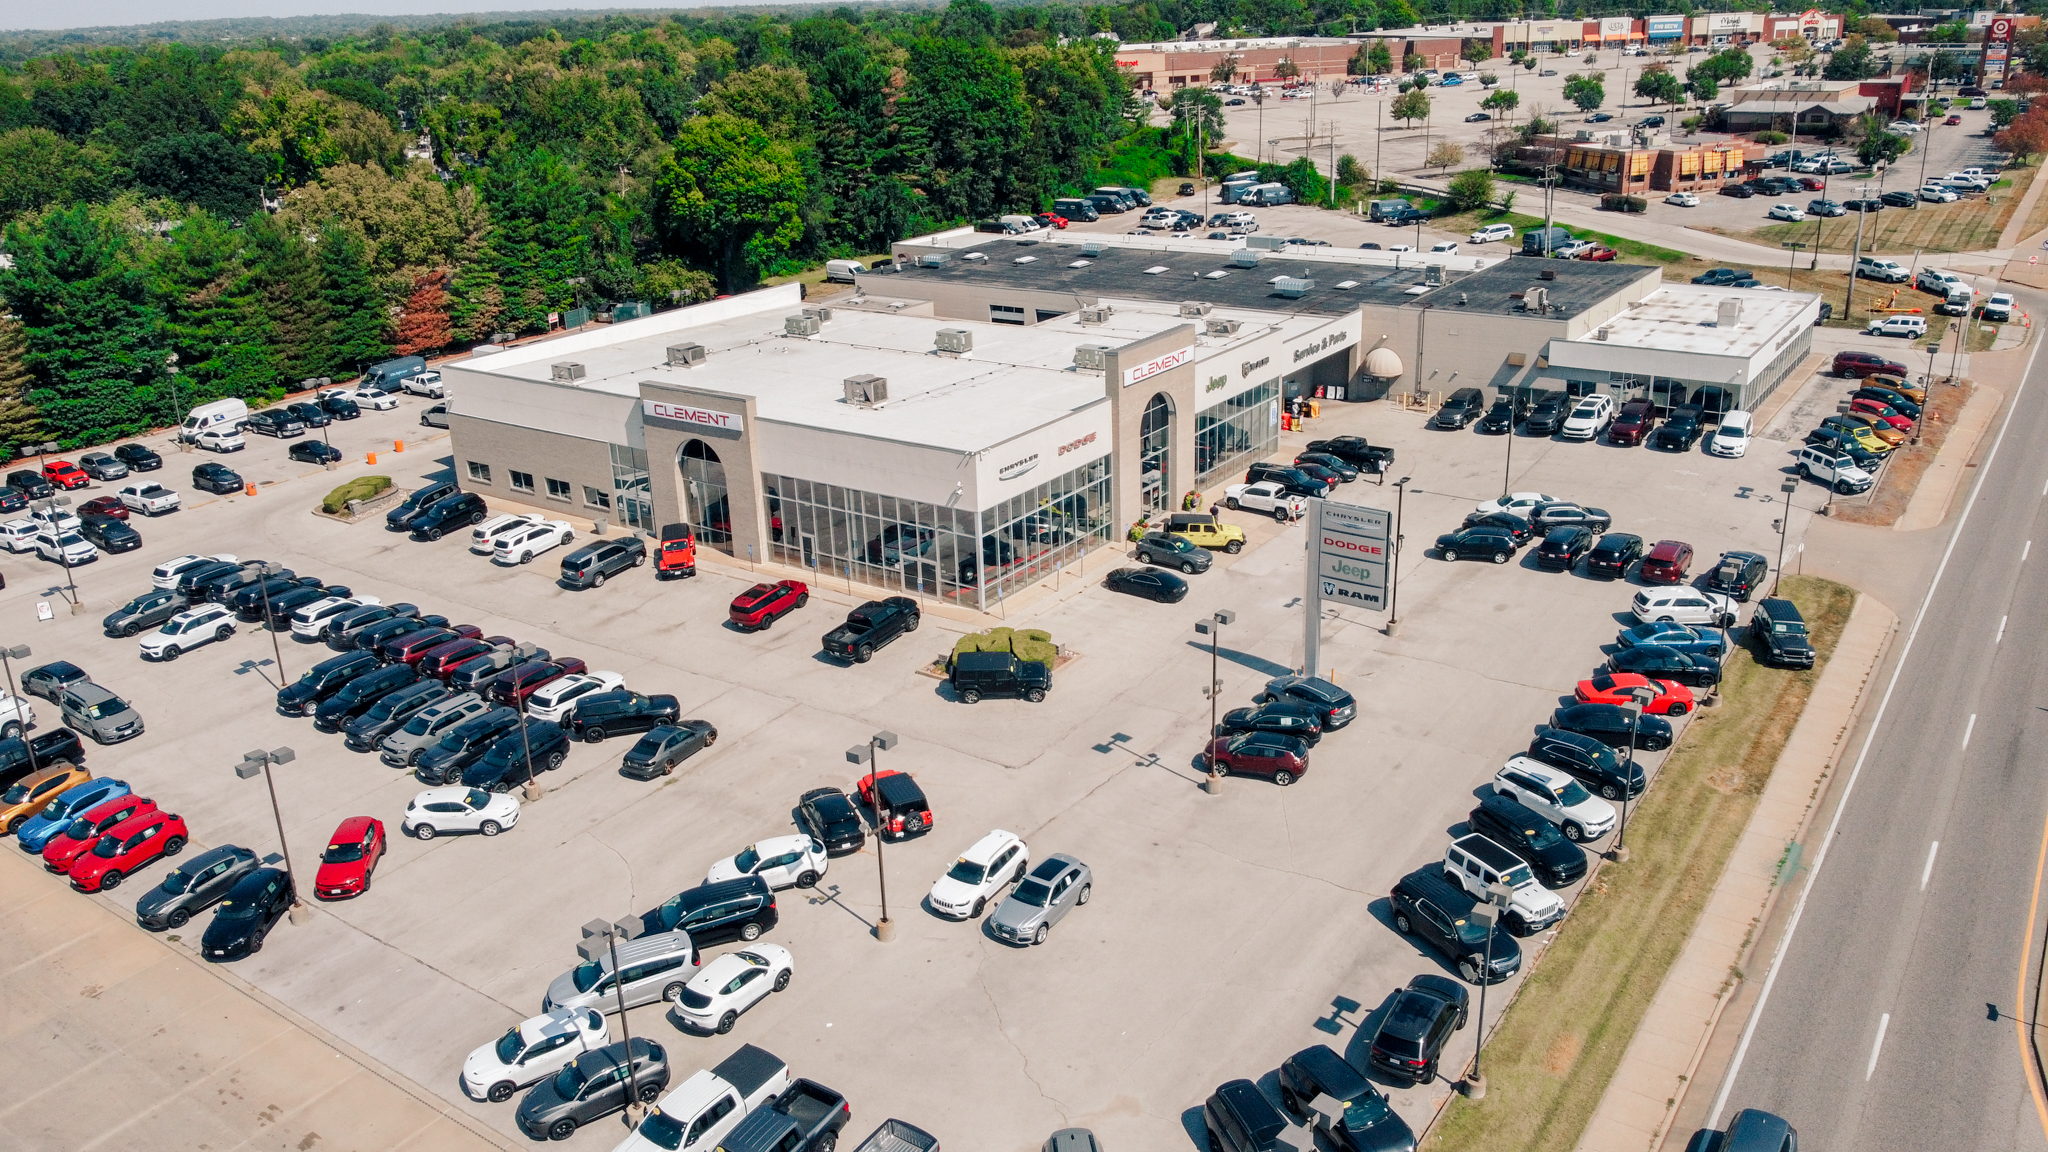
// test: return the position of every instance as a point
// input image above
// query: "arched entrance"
(705, 504)
(1155, 442)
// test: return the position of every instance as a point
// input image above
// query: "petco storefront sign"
(685, 414)
(1158, 364)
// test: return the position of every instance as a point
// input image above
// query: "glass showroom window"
(1035, 533)
(905, 547)
(630, 487)
(1231, 434)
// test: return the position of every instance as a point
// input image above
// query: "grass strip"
(1556, 1049)
(1636, 250)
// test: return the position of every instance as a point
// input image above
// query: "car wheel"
(803, 599)
(501, 1092)
(668, 767)
(15, 824)
(1450, 554)
(1034, 695)
(650, 1092)
(562, 1129)
(828, 1142)
(130, 629)
(110, 881)
(765, 622)
(1574, 833)
(1038, 937)
(433, 533)
(171, 653)
(256, 945)
(526, 557)
(1087, 890)
(1401, 924)
(1234, 547)
(1609, 792)
(807, 880)
(1664, 620)
(172, 847)
(425, 832)
(555, 760)
(1805, 473)
(1280, 514)
(488, 828)
(751, 930)
(593, 735)
(782, 980)
(178, 919)
(1678, 708)
(1187, 567)
(710, 739)
(969, 696)
(979, 904)
(1283, 778)
(864, 654)
(598, 582)
(475, 518)
(1231, 503)
(1500, 557)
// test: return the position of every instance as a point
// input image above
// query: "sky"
(21, 14)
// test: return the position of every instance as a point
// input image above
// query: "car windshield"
(508, 1047)
(1571, 795)
(105, 708)
(107, 847)
(967, 872)
(1517, 876)
(342, 854)
(1543, 835)
(568, 1082)
(417, 726)
(1031, 892)
(176, 627)
(14, 795)
(237, 910)
(177, 881)
(1789, 627)
(662, 1130)
(747, 860)
(586, 975)
(477, 799)
(1361, 1114)
(79, 829)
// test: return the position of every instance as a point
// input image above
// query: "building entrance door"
(705, 503)
(1155, 441)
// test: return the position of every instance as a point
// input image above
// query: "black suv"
(590, 565)
(1556, 861)
(1369, 1124)
(1460, 409)
(1344, 470)
(1333, 706)
(390, 713)
(1562, 547)
(1663, 663)
(1548, 415)
(110, 535)
(400, 519)
(503, 767)
(464, 745)
(831, 819)
(1417, 1027)
(1503, 416)
(323, 680)
(291, 600)
(1609, 724)
(310, 414)
(1289, 478)
(218, 479)
(1286, 718)
(1739, 574)
(276, 422)
(603, 714)
(462, 510)
(138, 458)
(1614, 553)
(739, 909)
(356, 696)
(249, 600)
(342, 629)
(1589, 760)
(1431, 908)
(1680, 431)
(978, 674)
(31, 484)
(1239, 1119)
(1354, 450)
(870, 626)
(1779, 627)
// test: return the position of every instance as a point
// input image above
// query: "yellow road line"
(2019, 1013)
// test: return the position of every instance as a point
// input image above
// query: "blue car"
(44, 826)
(1691, 641)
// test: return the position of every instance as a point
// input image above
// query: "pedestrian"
(1214, 510)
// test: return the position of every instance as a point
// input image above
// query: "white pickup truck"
(426, 383)
(707, 1106)
(1268, 497)
(148, 497)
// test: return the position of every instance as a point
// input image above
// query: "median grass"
(1968, 225)
(1556, 1049)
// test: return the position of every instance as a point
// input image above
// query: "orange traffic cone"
(373, 458)
(398, 445)
(252, 488)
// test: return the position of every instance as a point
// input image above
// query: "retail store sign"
(1615, 26)
(1157, 364)
(1664, 27)
(689, 414)
(1727, 21)
(1333, 340)
(1350, 544)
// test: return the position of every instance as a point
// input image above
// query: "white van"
(1445, 247)
(1019, 225)
(842, 271)
(1911, 327)
(228, 415)
(1492, 232)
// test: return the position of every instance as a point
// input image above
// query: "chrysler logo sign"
(1017, 468)
(1157, 364)
(687, 414)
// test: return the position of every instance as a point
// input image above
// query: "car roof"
(353, 828)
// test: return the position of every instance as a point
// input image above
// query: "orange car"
(32, 793)
(1878, 425)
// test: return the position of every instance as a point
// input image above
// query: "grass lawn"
(1968, 225)
(1557, 1047)
(1633, 251)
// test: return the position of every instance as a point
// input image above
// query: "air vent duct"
(1094, 248)
(566, 373)
(1096, 314)
(866, 390)
(1293, 287)
(1094, 356)
(684, 355)
(1245, 258)
(932, 260)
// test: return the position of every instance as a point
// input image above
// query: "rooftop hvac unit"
(932, 260)
(1433, 275)
(955, 340)
(1192, 309)
(1096, 314)
(1293, 287)
(1218, 326)
(1270, 243)
(866, 390)
(1547, 274)
(799, 325)
(1536, 299)
(1730, 314)
(823, 313)
(1094, 356)
(1600, 334)
(1245, 258)
(1094, 248)
(566, 372)
(684, 355)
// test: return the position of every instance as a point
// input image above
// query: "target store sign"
(1158, 364)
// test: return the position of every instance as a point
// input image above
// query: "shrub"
(361, 488)
(1770, 137)
(1026, 643)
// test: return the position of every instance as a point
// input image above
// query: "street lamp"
(1796, 247)
(530, 790)
(268, 569)
(1641, 698)
(598, 939)
(51, 504)
(885, 929)
(1485, 914)
(1394, 566)
(1790, 486)
(1213, 629)
(7, 655)
(260, 761)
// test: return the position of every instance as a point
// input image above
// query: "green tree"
(1728, 66)
(959, 125)
(214, 318)
(360, 331)
(1502, 102)
(1351, 173)
(2003, 112)
(1876, 29)
(539, 235)
(1286, 69)
(1587, 90)
(1853, 61)
(1226, 69)
(1878, 144)
(477, 299)
(283, 261)
(1659, 86)
(39, 168)
(1701, 84)
(1472, 188)
(1379, 58)
(731, 194)
(1197, 120)
(20, 423)
(1410, 106)
(1477, 51)
(203, 169)
(1446, 153)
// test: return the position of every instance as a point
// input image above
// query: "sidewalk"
(1665, 1051)
(1945, 476)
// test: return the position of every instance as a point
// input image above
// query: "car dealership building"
(979, 414)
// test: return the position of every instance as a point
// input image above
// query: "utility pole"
(1849, 299)
(598, 939)
(1795, 248)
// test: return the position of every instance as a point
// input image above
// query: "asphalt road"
(1873, 1033)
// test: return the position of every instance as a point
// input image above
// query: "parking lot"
(1225, 932)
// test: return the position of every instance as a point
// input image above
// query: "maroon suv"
(515, 686)
(1866, 364)
(1666, 563)
(1632, 423)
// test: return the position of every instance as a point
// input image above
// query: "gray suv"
(100, 714)
(402, 748)
(653, 965)
(588, 566)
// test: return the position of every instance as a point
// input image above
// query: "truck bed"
(809, 1104)
(897, 1136)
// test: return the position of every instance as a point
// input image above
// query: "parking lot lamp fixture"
(864, 754)
(520, 654)
(259, 762)
(268, 569)
(1394, 567)
(1641, 697)
(1790, 486)
(599, 938)
(1213, 629)
(51, 504)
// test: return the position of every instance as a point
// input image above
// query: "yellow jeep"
(1205, 530)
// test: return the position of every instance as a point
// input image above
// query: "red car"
(677, 555)
(1673, 698)
(1866, 364)
(1882, 411)
(1598, 252)
(1666, 563)
(413, 646)
(515, 686)
(352, 854)
(65, 474)
(1050, 220)
(1953, 120)
(109, 506)
(1632, 423)
(77, 839)
(1812, 183)
(1275, 755)
(764, 604)
(443, 658)
(126, 846)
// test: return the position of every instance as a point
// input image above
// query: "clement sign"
(1157, 364)
(687, 414)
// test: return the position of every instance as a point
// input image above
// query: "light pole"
(260, 761)
(1790, 486)
(885, 929)
(52, 505)
(1641, 697)
(1933, 350)
(598, 939)
(1394, 567)
(7, 655)
(1213, 629)
(1485, 913)
(529, 791)
(269, 569)
(1791, 259)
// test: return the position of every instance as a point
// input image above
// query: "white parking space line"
(1929, 869)
(1883, 1022)
(2001, 630)
(2024, 552)
(1969, 728)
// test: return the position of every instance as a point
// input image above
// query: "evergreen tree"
(423, 326)
(476, 300)
(289, 280)
(361, 322)
(20, 423)
(537, 238)
(214, 318)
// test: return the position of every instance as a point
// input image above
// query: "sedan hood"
(155, 904)
(1015, 919)
(482, 1068)
(562, 993)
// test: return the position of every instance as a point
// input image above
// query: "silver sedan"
(1057, 886)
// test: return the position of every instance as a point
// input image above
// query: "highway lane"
(1873, 1032)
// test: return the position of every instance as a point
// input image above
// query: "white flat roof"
(1683, 318)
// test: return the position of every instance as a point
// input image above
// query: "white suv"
(1590, 417)
(1998, 309)
(1911, 327)
(311, 621)
(1493, 232)
(780, 861)
(995, 861)
(1556, 797)
(1684, 605)
(1818, 462)
(1475, 864)
(1936, 281)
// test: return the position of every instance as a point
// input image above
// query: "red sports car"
(77, 839)
(352, 854)
(109, 506)
(1666, 563)
(1882, 411)
(1275, 755)
(65, 474)
(764, 604)
(1673, 698)
(129, 845)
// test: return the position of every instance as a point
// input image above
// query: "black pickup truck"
(1355, 451)
(19, 758)
(870, 626)
(807, 1117)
